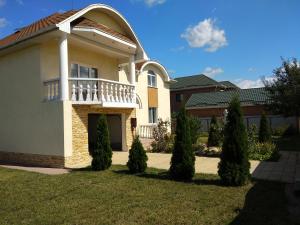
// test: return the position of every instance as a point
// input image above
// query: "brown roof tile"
(35, 27)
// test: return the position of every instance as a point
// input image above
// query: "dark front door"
(114, 127)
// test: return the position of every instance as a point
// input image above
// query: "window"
(179, 97)
(79, 71)
(152, 115)
(151, 79)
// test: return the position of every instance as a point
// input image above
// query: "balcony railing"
(146, 131)
(107, 93)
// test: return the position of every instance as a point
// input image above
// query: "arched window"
(151, 79)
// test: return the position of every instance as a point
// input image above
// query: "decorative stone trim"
(32, 159)
(80, 155)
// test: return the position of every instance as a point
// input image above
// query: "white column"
(132, 70)
(63, 67)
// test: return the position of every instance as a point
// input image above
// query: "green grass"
(116, 197)
(289, 143)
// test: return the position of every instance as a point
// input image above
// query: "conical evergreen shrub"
(102, 153)
(214, 137)
(264, 130)
(137, 162)
(234, 165)
(183, 156)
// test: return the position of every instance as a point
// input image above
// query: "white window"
(152, 115)
(79, 71)
(151, 79)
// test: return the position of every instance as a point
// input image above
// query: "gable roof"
(193, 82)
(252, 96)
(228, 84)
(35, 28)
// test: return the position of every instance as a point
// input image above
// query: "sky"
(240, 41)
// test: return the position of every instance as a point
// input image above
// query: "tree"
(102, 153)
(264, 130)
(183, 157)
(284, 89)
(214, 136)
(137, 162)
(234, 165)
(195, 127)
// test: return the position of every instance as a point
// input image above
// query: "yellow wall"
(163, 109)
(28, 125)
(104, 19)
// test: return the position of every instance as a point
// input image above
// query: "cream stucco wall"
(28, 124)
(163, 109)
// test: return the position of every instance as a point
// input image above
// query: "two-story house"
(59, 73)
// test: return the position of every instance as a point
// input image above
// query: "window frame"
(152, 76)
(180, 99)
(90, 68)
(152, 118)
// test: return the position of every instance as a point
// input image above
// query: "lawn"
(116, 197)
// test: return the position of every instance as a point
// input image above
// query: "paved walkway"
(43, 170)
(286, 170)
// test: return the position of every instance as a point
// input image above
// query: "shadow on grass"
(265, 204)
(164, 175)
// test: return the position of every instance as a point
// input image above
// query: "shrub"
(234, 165)
(280, 131)
(162, 139)
(251, 133)
(263, 151)
(214, 136)
(137, 162)
(195, 128)
(183, 156)
(102, 153)
(264, 130)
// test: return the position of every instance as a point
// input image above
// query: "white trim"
(65, 24)
(94, 30)
(161, 67)
(64, 67)
(124, 142)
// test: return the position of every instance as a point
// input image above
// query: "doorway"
(114, 123)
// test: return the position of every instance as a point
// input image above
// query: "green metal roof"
(253, 96)
(228, 84)
(193, 82)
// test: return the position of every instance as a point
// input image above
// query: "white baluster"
(107, 92)
(116, 92)
(73, 93)
(124, 94)
(95, 97)
(80, 92)
(120, 93)
(101, 92)
(88, 93)
(51, 90)
(112, 92)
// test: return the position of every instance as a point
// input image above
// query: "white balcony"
(94, 91)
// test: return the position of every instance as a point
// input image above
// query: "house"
(204, 97)
(60, 73)
(182, 90)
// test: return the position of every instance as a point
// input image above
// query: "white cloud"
(212, 72)
(20, 2)
(151, 3)
(3, 22)
(2, 2)
(245, 83)
(251, 69)
(205, 34)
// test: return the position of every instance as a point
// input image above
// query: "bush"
(137, 162)
(264, 130)
(280, 131)
(102, 153)
(195, 128)
(163, 141)
(234, 165)
(214, 136)
(263, 151)
(183, 156)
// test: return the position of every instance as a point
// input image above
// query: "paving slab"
(43, 170)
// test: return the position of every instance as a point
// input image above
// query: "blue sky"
(235, 40)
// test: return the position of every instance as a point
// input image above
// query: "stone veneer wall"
(32, 159)
(80, 155)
